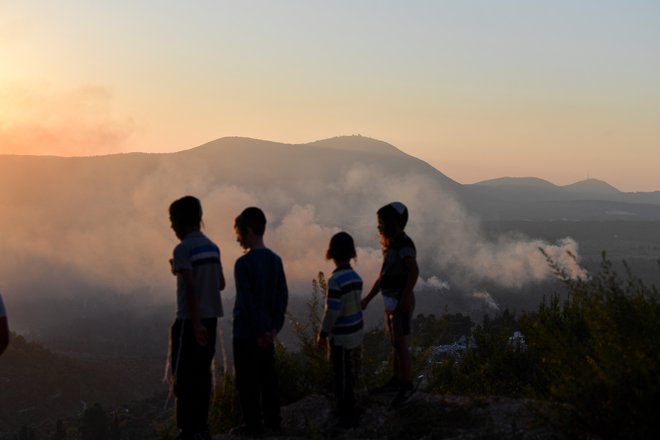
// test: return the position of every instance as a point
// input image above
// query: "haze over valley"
(94, 230)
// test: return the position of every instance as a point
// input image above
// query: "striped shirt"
(202, 257)
(342, 320)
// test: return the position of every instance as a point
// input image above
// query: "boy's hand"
(267, 338)
(321, 342)
(201, 334)
(172, 266)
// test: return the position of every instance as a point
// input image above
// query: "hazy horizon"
(559, 90)
(310, 143)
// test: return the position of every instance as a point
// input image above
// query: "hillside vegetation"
(37, 386)
(587, 366)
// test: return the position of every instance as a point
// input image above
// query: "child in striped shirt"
(342, 324)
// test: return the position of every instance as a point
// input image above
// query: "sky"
(562, 90)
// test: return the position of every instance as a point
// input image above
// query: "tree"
(94, 423)
(60, 432)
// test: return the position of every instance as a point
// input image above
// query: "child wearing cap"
(396, 281)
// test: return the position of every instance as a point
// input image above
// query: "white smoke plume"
(433, 283)
(124, 244)
(487, 300)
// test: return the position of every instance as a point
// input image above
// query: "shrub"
(596, 348)
(225, 411)
(599, 350)
(490, 365)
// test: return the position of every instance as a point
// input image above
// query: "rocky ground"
(430, 416)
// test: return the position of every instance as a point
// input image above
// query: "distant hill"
(529, 198)
(592, 187)
(357, 144)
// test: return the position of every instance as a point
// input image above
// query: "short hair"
(341, 248)
(186, 211)
(393, 215)
(253, 218)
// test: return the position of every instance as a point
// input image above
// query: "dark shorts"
(397, 323)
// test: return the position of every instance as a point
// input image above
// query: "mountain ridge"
(319, 164)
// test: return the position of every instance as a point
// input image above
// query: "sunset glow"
(558, 90)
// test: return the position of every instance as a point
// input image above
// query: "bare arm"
(373, 292)
(201, 335)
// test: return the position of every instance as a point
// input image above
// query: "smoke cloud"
(70, 239)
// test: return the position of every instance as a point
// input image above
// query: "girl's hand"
(364, 303)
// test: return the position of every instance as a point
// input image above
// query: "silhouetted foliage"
(490, 365)
(599, 350)
(60, 432)
(26, 433)
(430, 331)
(225, 411)
(94, 423)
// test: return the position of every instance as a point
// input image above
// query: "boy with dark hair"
(342, 323)
(261, 301)
(196, 264)
(396, 281)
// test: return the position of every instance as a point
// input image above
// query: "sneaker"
(403, 396)
(392, 386)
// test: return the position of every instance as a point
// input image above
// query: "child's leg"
(360, 386)
(191, 364)
(402, 359)
(344, 382)
(401, 330)
(269, 387)
(183, 342)
(203, 376)
(246, 365)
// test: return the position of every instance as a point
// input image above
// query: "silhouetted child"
(261, 301)
(4, 329)
(342, 324)
(396, 282)
(196, 264)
